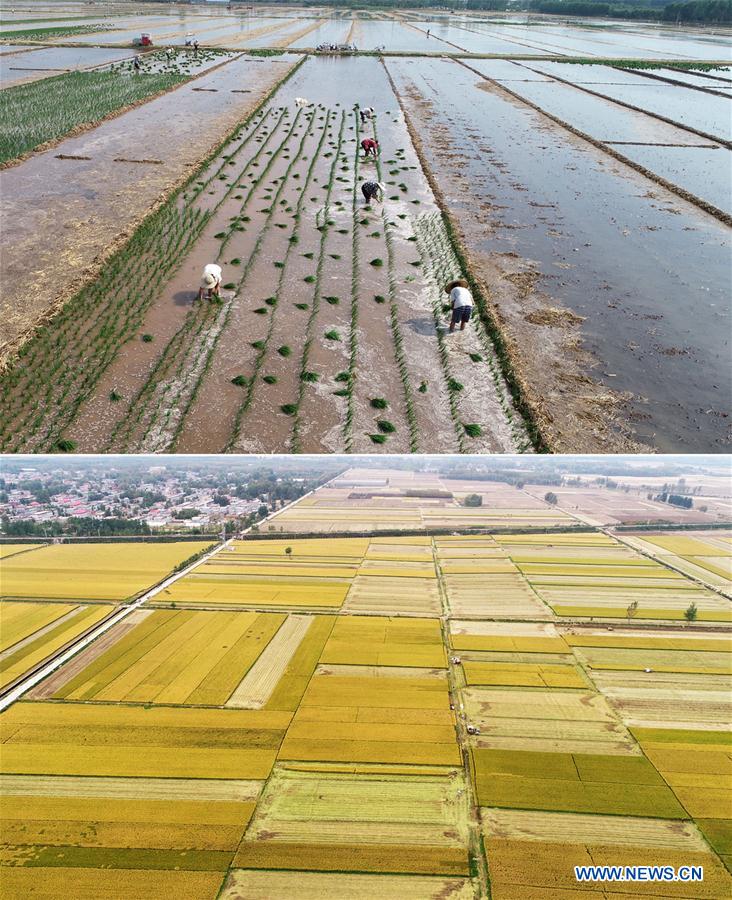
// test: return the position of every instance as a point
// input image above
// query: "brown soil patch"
(554, 317)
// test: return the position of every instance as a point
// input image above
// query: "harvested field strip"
(354, 298)
(51, 640)
(526, 825)
(292, 685)
(247, 884)
(569, 706)
(713, 663)
(509, 644)
(393, 595)
(257, 686)
(653, 613)
(32, 114)
(129, 788)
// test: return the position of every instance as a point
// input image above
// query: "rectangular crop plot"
(418, 823)
(31, 632)
(373, 719)
(173, 656)
(413, 596)
(574, 783)
(382, 641)
(500, 595)
(158, 742)
(93, 571)
(248, 591)
(251, 884)
(522, 674)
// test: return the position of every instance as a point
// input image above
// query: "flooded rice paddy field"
(591, 236)
(593, 204)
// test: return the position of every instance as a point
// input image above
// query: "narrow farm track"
(329, 333)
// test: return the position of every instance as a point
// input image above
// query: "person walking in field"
(195, 48)
(136, 63)
(369, 146)
(366, 113)
(373, 190)
(461, 301)
(210, 282)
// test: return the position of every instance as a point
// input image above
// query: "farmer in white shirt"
(210, 281)
(461, 301)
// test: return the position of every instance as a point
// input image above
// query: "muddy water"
(22, 67)
(335, 32)
(704, 112)
(648, 272)
(59, 216)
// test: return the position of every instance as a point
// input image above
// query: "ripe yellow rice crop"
(522, 674)
(284, 592)
(93, 571)
(19, 620)
(249, 884)
(684, 545)
(90, 884)
(7, 550)
(324, 548)
(20, 659)
(352, 857)
(291, 686)
(509, 644)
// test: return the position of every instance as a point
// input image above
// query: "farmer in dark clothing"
(373, 190)
(136, 64)
(369, 146)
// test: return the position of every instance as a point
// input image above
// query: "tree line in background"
(686, 12)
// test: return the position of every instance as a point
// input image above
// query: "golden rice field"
(106, 572)
(296, 724)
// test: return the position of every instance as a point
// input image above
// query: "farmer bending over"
(369, 146)
(210, 281)
(373, 190)
(367, 113)
(136, 63)
(461, 301)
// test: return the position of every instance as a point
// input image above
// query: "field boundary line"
(506, 356)
(81, 643)
(639, 109)
(714, 211)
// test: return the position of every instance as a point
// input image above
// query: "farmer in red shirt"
(369, 146)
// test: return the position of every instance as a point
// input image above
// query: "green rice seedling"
(374, 234)
(147, 338)
(284, 350)
(257, 345)
(64, 445)
(342, 231)
(416, 263)
(239, 380)
(310, 377)
(261, 310)
(422, 387)
(294, 239)
(378, 438)
(229, 286)
(220, 234)
(379, 403)
(379, 298)
(114, 396)
(309, 255)
(342, 392)
(309, 279)
(412, 238)
(377, 263)
(301, 306)
(278, 265)
(454, 385)
(269, 379)
(343, 376)
(236, 261)
(289, 409)
(473, 430)
(476, 357)
(271, 301)
(385, 426)
(332, 335)
(334, 255)
(334, 301)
